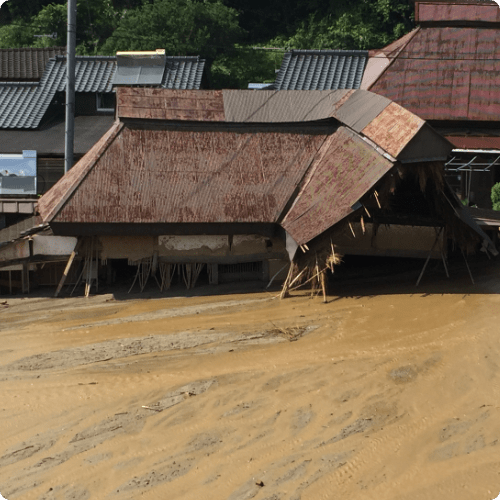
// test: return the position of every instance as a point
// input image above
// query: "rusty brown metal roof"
(229, 157)
(51, 202)
(446, 73)
(358, 109)
(158, 174)
(471, 142)
(27, 64)
(161, 104)
(393, 129)
(457, 12)
(347, 168)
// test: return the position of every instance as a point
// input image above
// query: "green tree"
(495, 196)
(96, 21)
(243, 64)
(362, 25)
(182, 27)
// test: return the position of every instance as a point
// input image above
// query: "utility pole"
(70, 87)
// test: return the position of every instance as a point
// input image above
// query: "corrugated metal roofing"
(271, 106)
(169, 171)
(358, 109)
(26, 64)
(446, 73)
(161, 104)
(347, 168)
(321, 70)
(140, 70)
(472, 11)
(24, 105)
(162, 174)
(471, 142)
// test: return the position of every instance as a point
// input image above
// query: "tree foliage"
(95, 22)
(362, 26)
(181, 27)
(495, 196)
(231, 34)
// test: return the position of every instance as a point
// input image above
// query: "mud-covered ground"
(386, 392)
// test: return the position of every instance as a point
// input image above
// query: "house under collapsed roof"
(233, 183)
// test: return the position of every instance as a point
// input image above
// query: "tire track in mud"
(120, 424)
(300, 447)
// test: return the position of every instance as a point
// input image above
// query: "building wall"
(214, 249)
(388, 240)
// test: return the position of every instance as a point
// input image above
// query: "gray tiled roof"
(92, 73)
(321, 70)
(26, 64)
(23, 105)
(183, 73)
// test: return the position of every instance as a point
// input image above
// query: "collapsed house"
(238, 184)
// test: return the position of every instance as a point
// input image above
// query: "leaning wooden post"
(323, 284)
(429, 256)
(66, 272)
(468, 268)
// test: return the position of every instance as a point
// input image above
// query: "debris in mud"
(292, 333)
(175, 397)
(403, 374)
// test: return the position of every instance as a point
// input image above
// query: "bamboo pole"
(66, 272)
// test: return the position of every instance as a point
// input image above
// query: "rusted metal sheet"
(177, 176)
(360, 109)
(479, 11)
(468, 142)
(167, 104)
(447, 73)
(274, 106)
(54, 199)
(393, 129)
(380, 59)
(346, 168)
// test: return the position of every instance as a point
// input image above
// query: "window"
(105, 102)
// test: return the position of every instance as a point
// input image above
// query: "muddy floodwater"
(387, 392)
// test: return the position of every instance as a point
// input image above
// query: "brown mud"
(388, 392)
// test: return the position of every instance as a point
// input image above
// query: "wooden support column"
(213, 274)
(25, 278)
